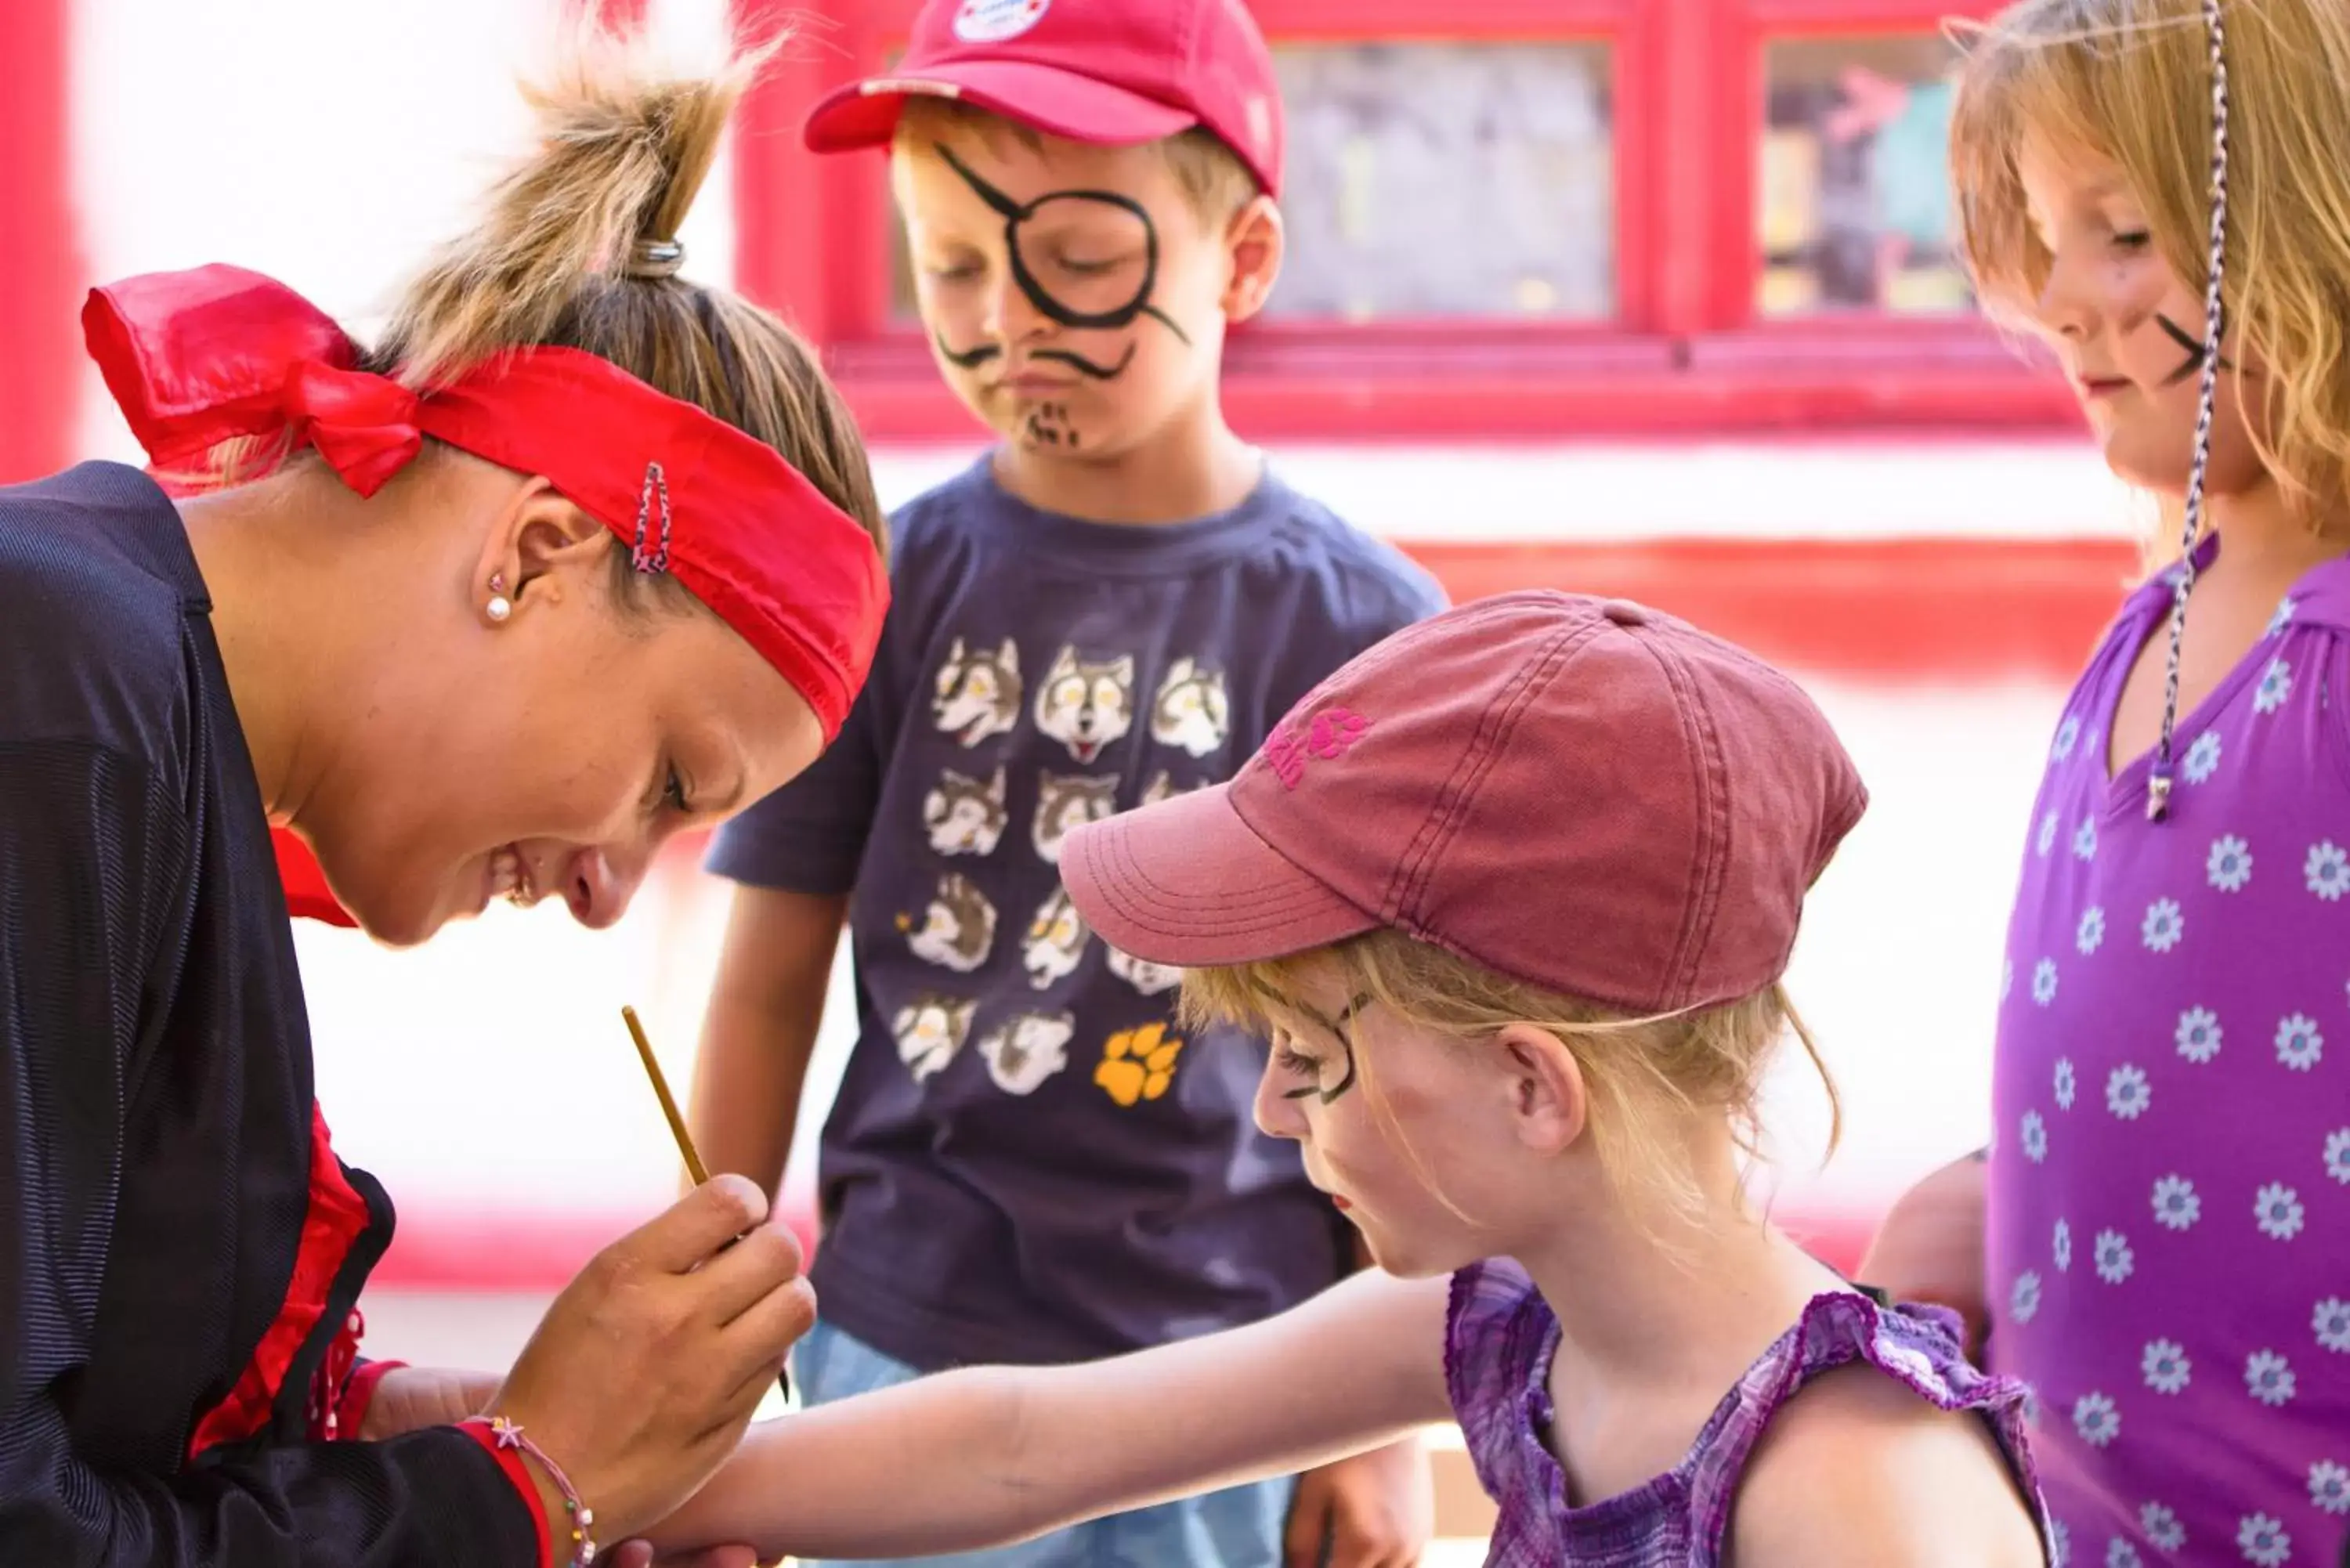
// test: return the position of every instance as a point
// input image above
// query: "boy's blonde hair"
(1211, 174)
(1643, 1073)
(2130, 80)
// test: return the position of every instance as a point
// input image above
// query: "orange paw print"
(1138, 1063)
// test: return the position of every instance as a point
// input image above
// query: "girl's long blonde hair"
(1644, 1075)
(2130, 80)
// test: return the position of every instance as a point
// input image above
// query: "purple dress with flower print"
(2170, 1188)
(1501, 1338)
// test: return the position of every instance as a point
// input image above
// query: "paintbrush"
(693, 1166)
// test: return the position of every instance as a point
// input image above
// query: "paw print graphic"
(1138, 1064)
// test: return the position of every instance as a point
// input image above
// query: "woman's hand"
(645, 1371)
(410, 1398)
(1373, 1511)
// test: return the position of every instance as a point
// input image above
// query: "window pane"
(1854, 195)
(1429, 179)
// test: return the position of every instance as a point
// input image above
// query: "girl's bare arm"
(988, 1456)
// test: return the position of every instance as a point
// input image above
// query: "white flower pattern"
(2046, 840)
(2229, 864)
(2023, 1301)
(2298, 1043)
(2035, 1138)
(2329, 1487)
(2283, 617)
(2164, 924)
(2120, 1554)
(2096, 1419)
(2268, 1377)
(2327, 871)
(2278, 1208)
(2331, 1322)
(2091, 932)
(2127, 1092)
(2263, 1539)
(2276, 686)
(2043, 981)
(2068, 734)
(2084, 839)
(2337, 1154)
(2060, 1247)
(2177, 1205)
(2202, 758)
(2199, 1035)
(2165, 1365)
(2162, 1527)
(2114, 1259)
(2063, 1086)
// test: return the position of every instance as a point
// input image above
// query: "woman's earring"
(500, 606)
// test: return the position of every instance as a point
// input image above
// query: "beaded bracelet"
(509, 1435)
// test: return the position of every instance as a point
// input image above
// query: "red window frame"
(1683, 354)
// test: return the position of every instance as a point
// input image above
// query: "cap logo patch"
(993, 21)
(1328, 735)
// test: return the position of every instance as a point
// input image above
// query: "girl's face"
(2128, 331)
(1446, 1162)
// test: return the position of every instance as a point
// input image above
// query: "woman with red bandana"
(580, 555)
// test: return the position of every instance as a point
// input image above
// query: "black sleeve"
(809, 836)
(85, 839)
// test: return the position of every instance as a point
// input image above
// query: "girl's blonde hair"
(572, 250)
(2130, 80)
(1645, 1075)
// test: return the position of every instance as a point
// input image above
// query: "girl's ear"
(1550, 1103)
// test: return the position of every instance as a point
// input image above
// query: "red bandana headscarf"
(196, 358)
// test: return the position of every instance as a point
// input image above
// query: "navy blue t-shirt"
(1028, 1161)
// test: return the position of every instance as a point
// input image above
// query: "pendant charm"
(2157, 798)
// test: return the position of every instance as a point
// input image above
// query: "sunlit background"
(1653, 297)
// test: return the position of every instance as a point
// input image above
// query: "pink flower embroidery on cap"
(1329, 735)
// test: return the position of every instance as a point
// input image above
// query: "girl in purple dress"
(1512, 894)
(2157, 1241)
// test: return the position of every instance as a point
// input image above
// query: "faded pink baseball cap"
(1581, 794)
(1110, 72)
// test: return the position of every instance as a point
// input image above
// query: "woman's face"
(2128, 331)
(550, 754)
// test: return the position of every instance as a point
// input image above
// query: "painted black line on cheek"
(1085, 367)
(1167, 321)
(2192, 349)
(1005, 207)
(964, 360)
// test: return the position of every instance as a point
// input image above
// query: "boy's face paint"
(1072, 293)
(2128, 330)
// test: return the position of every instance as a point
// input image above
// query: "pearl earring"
(500, 606)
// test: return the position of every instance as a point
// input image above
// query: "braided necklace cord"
(2158, 783)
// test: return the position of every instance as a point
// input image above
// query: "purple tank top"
(1500, 1336)
(2169, 1187)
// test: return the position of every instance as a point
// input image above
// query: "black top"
(156, 1118)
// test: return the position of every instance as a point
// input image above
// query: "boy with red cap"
(1029, 1160)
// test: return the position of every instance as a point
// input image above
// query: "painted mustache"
(972, 358)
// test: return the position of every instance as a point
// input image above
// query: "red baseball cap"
(1581, 794)
(1110, 72)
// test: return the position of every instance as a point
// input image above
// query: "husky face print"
(1162, 786)
(1192, 712)
(1026, 1049)
(1056, 940)
(1066, 801)
(978, 691)
(964, 816)
(958, 928)
(929, 1030)
(1086, 703)
(1149, 979)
